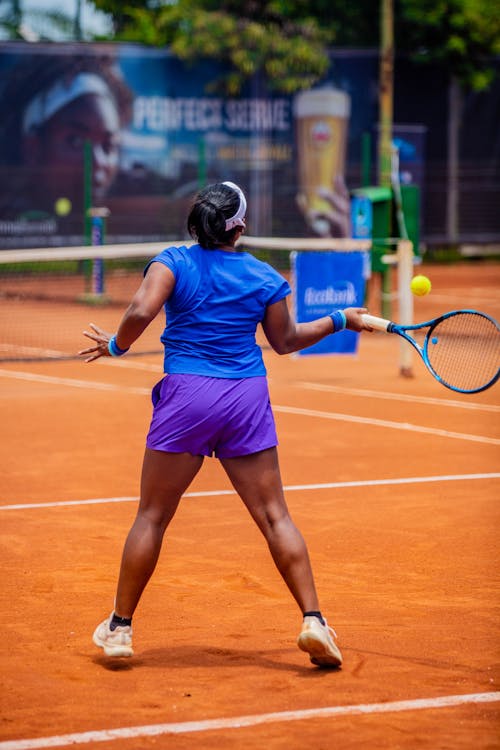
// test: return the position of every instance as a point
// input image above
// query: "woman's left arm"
(286, 336)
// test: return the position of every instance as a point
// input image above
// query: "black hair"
(37, 73)
(207, 219)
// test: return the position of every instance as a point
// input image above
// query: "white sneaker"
(317, 640)
(117, 642)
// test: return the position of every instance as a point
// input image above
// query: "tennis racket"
(461, 349)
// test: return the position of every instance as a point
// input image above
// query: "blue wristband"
(114, 349)
(339, 320)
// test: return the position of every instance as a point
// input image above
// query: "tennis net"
(48, 295)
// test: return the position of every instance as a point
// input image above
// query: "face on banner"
(58, 146)
(61, 122)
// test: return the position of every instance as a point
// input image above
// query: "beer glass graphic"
(322, 121)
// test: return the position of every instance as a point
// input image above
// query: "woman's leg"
(257, 480)
(165, 477)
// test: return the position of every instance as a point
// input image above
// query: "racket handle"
(379, 324)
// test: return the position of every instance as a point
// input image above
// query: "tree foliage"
(289, 39)
(462, 36)
(249, 36)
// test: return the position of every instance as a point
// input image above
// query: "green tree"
(122, 13)
(462, 36)
(10, 20)
(289, 39)
(285, 40)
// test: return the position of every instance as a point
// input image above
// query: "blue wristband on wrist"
(339, 320)
(114, 349)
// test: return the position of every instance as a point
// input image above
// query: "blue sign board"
(327, 281)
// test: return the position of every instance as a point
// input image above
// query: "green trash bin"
(374, 217)
(410, 198)
(383, 221)
(380, 200)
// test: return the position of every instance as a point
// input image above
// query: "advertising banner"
(327, 281)
(137, 131)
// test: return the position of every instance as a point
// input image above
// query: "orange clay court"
(394, 483)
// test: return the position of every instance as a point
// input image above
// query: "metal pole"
(202, 163)
(405, 273)
(386, 86)
(77, 26)
(452, 192)
(366, 159)
(87, 191)
(98, 217)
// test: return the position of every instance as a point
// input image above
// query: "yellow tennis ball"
(62, 206)
(420, 286)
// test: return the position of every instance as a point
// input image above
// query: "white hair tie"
(238, 220)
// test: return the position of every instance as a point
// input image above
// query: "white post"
(405, 274)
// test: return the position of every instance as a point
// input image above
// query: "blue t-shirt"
(218, 300)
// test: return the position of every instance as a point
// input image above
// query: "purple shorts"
(205, 416)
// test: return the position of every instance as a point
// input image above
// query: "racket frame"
(388, 326)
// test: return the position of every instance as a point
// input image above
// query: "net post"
(405, 273)
(97, 295)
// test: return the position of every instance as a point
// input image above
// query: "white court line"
(237, 722)
(398, 396)
(385, 423)
(73, 382)
(58, 355)
(135, 365)
(86, 384)
(287, 488)
(33, 351)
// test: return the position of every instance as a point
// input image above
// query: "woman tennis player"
(214, 400)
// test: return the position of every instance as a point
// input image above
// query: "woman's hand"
(354, 318)
(101, 338)
(155, 289)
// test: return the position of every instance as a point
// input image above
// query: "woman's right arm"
(156, 288)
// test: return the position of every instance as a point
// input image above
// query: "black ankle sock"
(315, 614)
(117, 621)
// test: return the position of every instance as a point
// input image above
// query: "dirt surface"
(393, 482)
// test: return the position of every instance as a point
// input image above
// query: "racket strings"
(464, 351)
